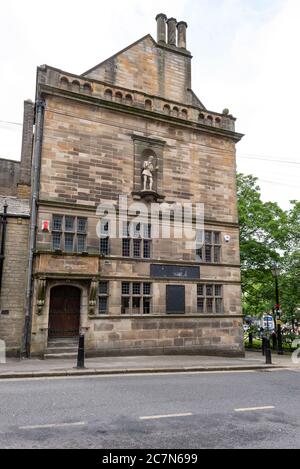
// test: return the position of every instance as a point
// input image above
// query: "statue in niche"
(147, 173)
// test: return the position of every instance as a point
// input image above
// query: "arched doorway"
(64, 312)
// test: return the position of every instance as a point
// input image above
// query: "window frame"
(209, 300)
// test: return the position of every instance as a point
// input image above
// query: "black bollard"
(250, 340)
(268, 352)
(80, 356)
(263, 345)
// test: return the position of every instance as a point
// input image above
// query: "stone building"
(15, 189)
(13, 270)
(133, 127)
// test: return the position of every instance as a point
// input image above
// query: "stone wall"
(9, 177)
(14, 284)
(150, 68)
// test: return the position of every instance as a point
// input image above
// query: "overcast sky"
(246, 58)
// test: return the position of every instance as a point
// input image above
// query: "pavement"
(240, 409)
(28, 368)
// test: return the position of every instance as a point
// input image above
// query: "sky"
(245, 58)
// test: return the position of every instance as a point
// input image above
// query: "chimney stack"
(182, 27)
(161, 27)
(172, 22)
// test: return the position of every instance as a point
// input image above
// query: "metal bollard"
(263, 346)
(268, 352)
(80, 356)
(250, 340)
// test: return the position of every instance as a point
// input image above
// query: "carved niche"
(148, 168)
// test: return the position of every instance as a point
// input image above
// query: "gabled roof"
(148, 36)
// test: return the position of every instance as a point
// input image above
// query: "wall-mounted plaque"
(187, 272)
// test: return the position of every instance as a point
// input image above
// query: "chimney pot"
(161, 27)
(172, 22)
(182, 27)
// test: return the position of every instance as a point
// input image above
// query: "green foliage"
(268, 235)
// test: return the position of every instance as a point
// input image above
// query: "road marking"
(167, 416)
(252, 409)
(52, 425)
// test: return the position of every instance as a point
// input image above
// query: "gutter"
(2, 245)
(36, 165)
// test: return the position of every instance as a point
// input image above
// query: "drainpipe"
(39, 118)
(2, 247)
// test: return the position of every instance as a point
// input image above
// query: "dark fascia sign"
(183, 272)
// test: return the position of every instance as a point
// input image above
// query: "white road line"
(252, 409)
(52, 425)
(167, 416)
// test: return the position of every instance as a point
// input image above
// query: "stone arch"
(128, 99)
(118, 97)
(108, 94)
(148, 104)
(76, 85)
(87, 88)
(64, 82)
(166, 109)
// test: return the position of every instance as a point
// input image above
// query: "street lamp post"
(275, 272)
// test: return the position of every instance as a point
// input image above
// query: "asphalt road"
(173, 411)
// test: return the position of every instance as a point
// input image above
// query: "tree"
(268, 235)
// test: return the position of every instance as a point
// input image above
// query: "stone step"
(62, 349)
(63, 343)
(72, 355)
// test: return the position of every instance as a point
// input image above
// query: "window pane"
(103, 288)
(217, 254)
(56, 239)
(136, 248)
(69, 223)
(199, 254)
(209, 305)
(147, 231)
(125, 306)
(218, 290)
(136, 288)
(69, 241)
(200, 290)
(200, 305)
(102, 304)
(219, 306)
(207, 253)
(125, 288)
(104, 246)
(125, 229)
(104, 228)
(209, 290)
(146, 305)
(217, 238)
(147, 288)
(81, 225)
(126, 247)
(147, 249)
(57, 222)
(208, 237)
(136, 305)
(80, 243)
(137, 230)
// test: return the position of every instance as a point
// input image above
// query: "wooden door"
(64, 314)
